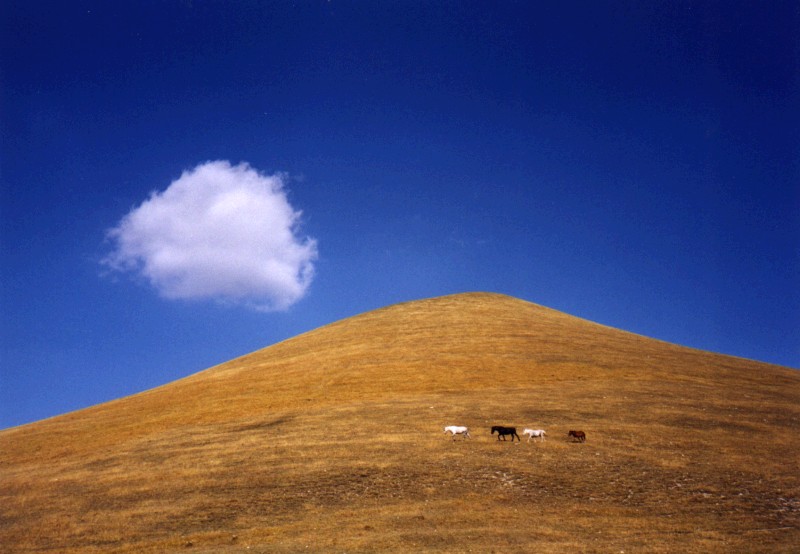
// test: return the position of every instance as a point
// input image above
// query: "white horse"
(534, 433)
(457, 430)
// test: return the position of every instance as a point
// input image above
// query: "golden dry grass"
(332, 442)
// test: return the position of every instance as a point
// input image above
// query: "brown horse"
(579, 435)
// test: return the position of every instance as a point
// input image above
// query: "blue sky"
(636, 165)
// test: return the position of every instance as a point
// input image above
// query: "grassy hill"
(333, 442)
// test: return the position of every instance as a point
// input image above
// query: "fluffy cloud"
(219, 231)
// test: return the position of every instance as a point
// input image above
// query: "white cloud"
(219, 231)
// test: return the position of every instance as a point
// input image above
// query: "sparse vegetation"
(333, 442)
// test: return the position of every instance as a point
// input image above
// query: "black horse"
(503, 431)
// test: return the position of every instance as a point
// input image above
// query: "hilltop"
(332, 441)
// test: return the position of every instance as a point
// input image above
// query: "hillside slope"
(333, 441)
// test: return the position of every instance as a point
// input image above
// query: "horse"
(457, 430)
(534, 433)
(503, 431)
(579, 435)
